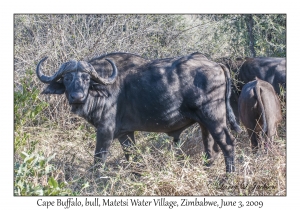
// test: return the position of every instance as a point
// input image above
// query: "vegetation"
(53, 148)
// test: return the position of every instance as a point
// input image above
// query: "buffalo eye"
(85, 78)
(67, 79)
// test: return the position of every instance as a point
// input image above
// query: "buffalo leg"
(269, 137)
(226, 143)
(175, 135)
(177, 140)
(104, 139)
(267, 143)
(126, 142)
(211, 147)
(234, 104)
(254, 143)
(212, 119)
(221, 135)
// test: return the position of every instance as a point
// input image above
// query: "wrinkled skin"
(166, 95)
(271, 70)
(260, 111)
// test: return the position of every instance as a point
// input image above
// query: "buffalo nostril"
(77, 96)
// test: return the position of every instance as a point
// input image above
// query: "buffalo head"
(77, 79)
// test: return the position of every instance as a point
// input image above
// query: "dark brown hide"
(259, 110)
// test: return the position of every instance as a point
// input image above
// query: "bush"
(27, 107)
(34, 176)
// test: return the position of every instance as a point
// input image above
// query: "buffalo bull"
(259, 110)
(166, 95)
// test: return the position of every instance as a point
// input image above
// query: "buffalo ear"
(99, 93)
(97, 90)
(54, 88)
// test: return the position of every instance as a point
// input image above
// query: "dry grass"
(161, 169)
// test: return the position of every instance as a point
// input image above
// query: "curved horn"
(56, 76)
(106, 81)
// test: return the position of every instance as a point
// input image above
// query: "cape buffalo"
(165, 95)
(269, 69)
(259, 110)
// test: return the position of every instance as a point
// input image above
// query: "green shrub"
(34, 176)
(27, 107)
(27, 104)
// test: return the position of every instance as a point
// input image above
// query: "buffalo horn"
(106, 81)
(56, 76)
(94, 75)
